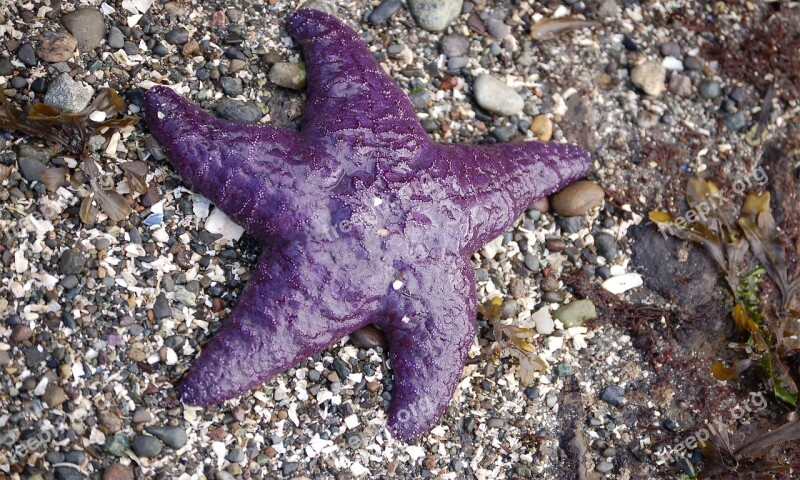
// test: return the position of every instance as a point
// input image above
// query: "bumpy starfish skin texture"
(363, 219)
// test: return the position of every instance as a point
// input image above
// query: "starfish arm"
(291, 309)
(526, 171)
(353, 108)
(429, 330)
(246, 170)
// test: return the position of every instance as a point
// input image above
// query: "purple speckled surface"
(363, 218)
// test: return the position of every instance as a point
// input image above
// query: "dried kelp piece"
(761, 231)
(722, 372)
(88, 211)
(788, 432)
(135, 174)
(550, 28)
(13, 119)
(112, 203)
(107, 101)
(72, 132)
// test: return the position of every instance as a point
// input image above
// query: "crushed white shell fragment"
(623, 283)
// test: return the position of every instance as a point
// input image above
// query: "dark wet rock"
(173, 437)
(613, 395)
(68, 473)
(161, 308)
(606, 245)
(115, 39)
(341, 368)
(147, 446)
(384, 11)
(71, 262)
(368, 337)
(710, 90)
(692, 64)
(27, 55)
(571, 224)
(177, 36)
(239, 111)
(31, 168)
(735, 121)
(231, 86)
(690, 283)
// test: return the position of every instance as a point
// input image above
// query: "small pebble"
(27, 55)
(231, 86)
(577, 198)
(118, 471)
(454, 45)
(542, 128)
(147, 446)
(575, 313)
(497, 97)
(710, 90)
(650, 77)
(288, 75)
(384, 11)
(613, 395)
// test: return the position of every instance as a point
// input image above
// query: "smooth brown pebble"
(368, 337)
(542, 128)
(577, 199)
(118, 471)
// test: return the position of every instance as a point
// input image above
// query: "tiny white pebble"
(161, 115)
(376, 202)
(97, 116)
(397, 284)
(405, 319)
(171, 358)
(351, 421)
(623, 283)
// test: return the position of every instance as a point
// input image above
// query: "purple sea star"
(363, 219)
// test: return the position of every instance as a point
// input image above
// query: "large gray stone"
(435, 15)
(497, 97)
(87, 25)
(67, 94)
